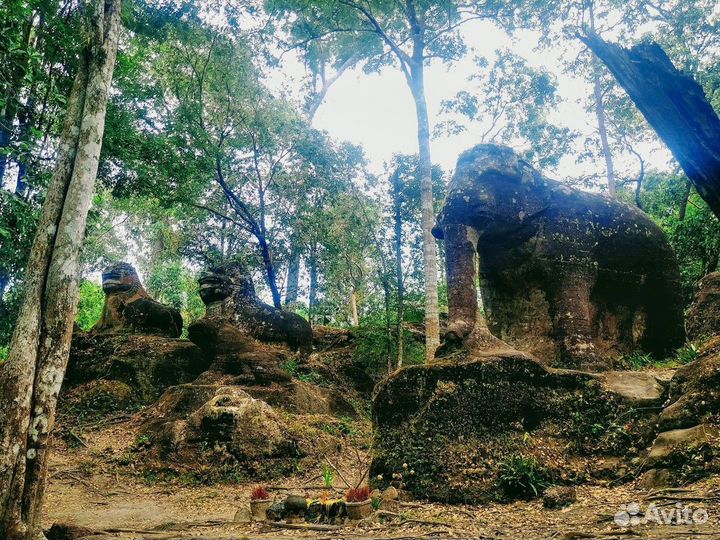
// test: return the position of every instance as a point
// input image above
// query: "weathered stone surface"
(671, 444)
(559, 496)
(148, 364)
(256, 368)
(229, 294)
(639, 388)
(225, 426)
(655, 478)
(448, 426)
(694, 391)
(574, 278)
(129, 309)
(703, 319)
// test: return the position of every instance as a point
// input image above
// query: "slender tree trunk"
(355, 318)
(293, 277)
(397, 206)
(30, 380)
(432, 321)
(684, 201)
(602, 129)
(388, 321)
(269, 270)
(312, 299)
(600, 113)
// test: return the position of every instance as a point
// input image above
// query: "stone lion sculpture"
(129, 309)
(575, 278)
(228, 293)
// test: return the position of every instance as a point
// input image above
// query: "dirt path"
(88, 488)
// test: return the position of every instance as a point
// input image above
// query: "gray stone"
(559, 496)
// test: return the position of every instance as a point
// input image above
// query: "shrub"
(522, 477)
(360, 494)
(686, 354)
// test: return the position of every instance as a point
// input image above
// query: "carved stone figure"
(229, 293)
(574, 278)
(129, 309)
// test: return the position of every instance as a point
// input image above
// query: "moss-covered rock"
(147, 364)
(448, 427)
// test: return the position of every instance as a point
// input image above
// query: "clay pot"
(359, 510)
(258, 509)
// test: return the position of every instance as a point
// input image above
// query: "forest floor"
(88, 488)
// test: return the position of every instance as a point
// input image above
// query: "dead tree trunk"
(674, 105)
(30, 380)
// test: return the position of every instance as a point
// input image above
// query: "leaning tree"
(31, 377)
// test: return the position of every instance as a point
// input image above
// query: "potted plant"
(358, 503)
(260, 501)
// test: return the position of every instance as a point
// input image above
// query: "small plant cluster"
(259, 493)
(522, 477)
(684, 355)
(355, 495)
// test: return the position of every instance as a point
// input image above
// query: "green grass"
(684, 355)
(522, 477)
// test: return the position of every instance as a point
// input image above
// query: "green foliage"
(522, 477)
(90, 304)
(372, 348)
(4, 350)
(638, 360)
(512, 100)
(686, 354)
(327, 476)
(290, 366)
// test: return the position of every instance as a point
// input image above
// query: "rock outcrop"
(129, 309)
(147, 364)
(573, 278)
(453, 429)
(703, 319)
(224, 429)
(229, 294)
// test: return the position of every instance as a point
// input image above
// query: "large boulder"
(703, 320)
(575, 278)
(147, 364)
(129, 309)
(264, 371)
(694, 392)
(452, 429)
(223, 428)
(229, 294)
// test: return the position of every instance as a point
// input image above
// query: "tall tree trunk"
(600, 114)
(269, 270)
(684, 201)
(30, 379)
(355, 318)
(397, 207)
(388, 324)
(432, 320)
(674, 105)
(312, 298)
(602, 129)
(293, 277)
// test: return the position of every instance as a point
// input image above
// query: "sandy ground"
(87, 487)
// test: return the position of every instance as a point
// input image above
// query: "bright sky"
(377, 112)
